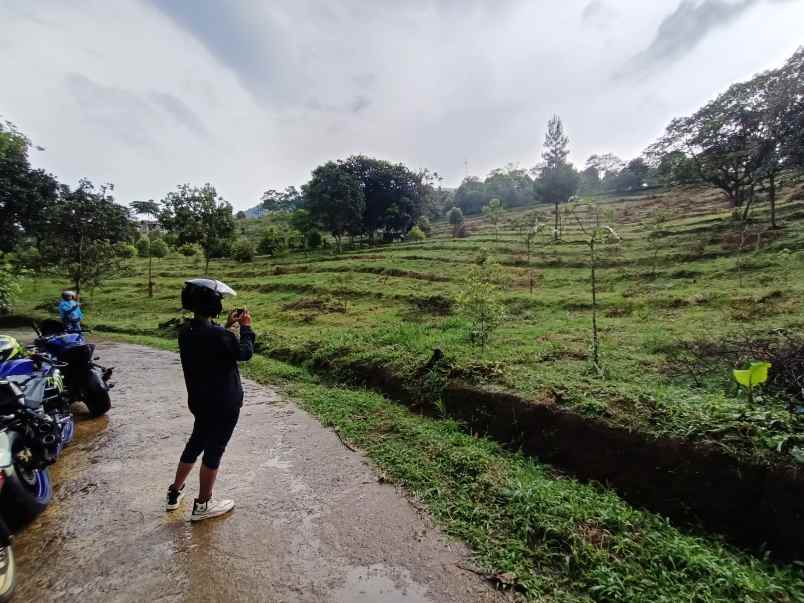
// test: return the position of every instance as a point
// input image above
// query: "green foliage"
(125, 250)
(27, 257)
(455, 218)
(188, 250)
(480, 302)
(313, 239)
(244, 250)
(273, 242)
(492, 212)
(512, 186)
(159, 248)
(143, 247)
(83, 229)
(335, 199)
(200, 216)
(416, 234)
(9, 285)
(756, 374)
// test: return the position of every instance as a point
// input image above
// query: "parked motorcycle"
(84, 380)
(35, 440)
(41, 380)
(8, 567)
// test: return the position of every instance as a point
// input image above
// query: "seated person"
(70, 312)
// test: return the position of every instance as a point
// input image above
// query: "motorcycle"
(84, 380)
(8, 567)
(42, 383)
(35, 441)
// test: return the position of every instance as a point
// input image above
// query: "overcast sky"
(253, 95)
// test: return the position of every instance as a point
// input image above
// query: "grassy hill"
(679, 306)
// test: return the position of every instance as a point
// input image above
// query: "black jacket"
(209, 356)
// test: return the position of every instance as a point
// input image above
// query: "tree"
(148, 208)
(455, 218)
(335, 199)
(284, 201)
(480, 302)
(493, 212)
(83, 228)
(416, 234)
(272, 242)
(558, 180)
(26, 195)
(676, 168)
(200, 216)
(596, 233)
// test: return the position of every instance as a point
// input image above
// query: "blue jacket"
(70, 312)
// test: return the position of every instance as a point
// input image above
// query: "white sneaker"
(211, 508)
(174, 498)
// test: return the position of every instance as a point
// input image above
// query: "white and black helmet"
(204, 296)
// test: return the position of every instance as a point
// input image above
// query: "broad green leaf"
(756, 374)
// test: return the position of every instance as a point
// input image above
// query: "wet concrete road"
(312, 523)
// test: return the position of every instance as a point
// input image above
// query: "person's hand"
(232, 318)
(245, 319)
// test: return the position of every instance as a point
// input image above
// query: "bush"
(9, 286)
(143, 246)
(243, 250)
(314, 239)
(188, 250)
(416, 234)
(159, 248)
(28, 257)
(424, 223)
(125, 250)
(272, 242)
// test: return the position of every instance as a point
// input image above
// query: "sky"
(248, 95)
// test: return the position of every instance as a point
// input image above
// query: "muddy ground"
(312, 521)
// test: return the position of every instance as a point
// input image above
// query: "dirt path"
(312, 523)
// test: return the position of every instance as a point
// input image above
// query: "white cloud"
(151, 94)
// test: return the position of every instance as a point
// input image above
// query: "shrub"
(28, 257)
(244, 250)
(125, 250)
(314, 239)
(424, 223)
(143, 247)
(272, 242)
(9, 286)
(188, 250)
(480, 303)
(159, 248)
(416, 234)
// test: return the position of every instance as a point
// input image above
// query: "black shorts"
(210, 435)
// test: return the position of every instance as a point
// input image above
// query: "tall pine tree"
(558, 180)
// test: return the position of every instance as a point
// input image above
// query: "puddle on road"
(376, 584)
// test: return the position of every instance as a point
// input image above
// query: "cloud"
(121, 114)
(598, 14)
(179, 110)
(681, 31)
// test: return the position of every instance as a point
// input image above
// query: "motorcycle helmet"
(9, 348)
(204, 296)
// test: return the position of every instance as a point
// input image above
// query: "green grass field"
(558, 539)
(389, 305)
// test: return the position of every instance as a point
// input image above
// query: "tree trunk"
(150, 280)
(772, 199)
(556, 231)
(595, 346)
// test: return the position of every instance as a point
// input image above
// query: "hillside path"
(312, 521)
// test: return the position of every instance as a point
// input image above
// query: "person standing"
(209, 357)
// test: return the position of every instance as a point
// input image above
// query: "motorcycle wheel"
(8, 572)
(26, 492)
(97, 395)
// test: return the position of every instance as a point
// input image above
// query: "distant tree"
(633, 176)
(83, 229)
(273, 242)
(147, 208)
(590, 182)
(335, 199)
(241, 215)
(313, 239)
(455, 218)
(558, 180)
(471, 196)
(158, 249)
(199, 216)
(143, 245)
(284, 201)
(676, 168)
(493, 212)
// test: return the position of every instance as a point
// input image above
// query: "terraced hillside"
(391, 306)
(657, 420)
